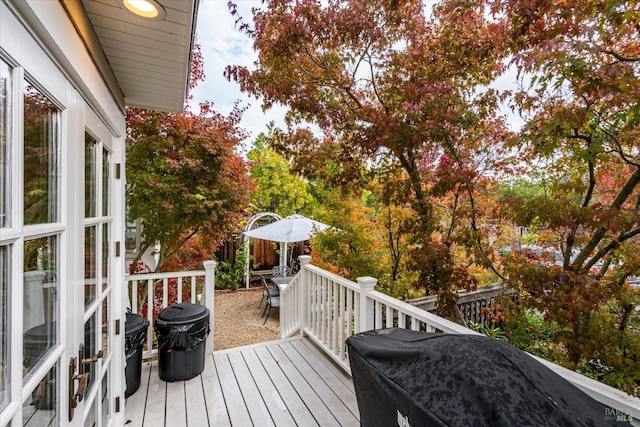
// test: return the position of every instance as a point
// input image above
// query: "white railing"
(196, 287)
(329, 309)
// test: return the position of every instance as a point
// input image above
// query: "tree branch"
(613, 244)
(597, 236)
(620, 57)
(171, 253)
(566, 256)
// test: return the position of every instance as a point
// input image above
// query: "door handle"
(82, 386)
(94, 359)
(82, 377)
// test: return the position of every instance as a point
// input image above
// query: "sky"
(223, 44)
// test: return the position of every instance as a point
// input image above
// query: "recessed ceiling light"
(149, 9)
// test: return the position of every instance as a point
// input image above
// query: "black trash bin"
(182, 330)
(135, 333)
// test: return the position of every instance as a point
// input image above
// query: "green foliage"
(521, 198)
(229, 276)
(528, 331)
(278, 190)
(488, 330)
(587, 340)
(352, 248)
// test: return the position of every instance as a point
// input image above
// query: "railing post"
(209, 298)
(366, 284)
(303, 293)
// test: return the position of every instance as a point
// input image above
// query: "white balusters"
(202, 283)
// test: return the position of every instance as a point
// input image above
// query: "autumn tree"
(184, 176)
(385, 82)
(353, 247)
(581, 85)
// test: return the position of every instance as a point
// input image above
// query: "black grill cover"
(411, 378)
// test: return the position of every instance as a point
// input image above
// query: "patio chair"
(267, 292)
(272, 302)
(281, 271)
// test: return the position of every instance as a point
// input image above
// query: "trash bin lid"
(134, 323)
(183, 312)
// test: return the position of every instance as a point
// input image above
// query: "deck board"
(236, 407)
(255, 405)
(176, 407)
(345, 395)
(135, 403)
(323, 389)
(195, 403)
(295, 405)
(268, 393)
(283, 383)
(154, 413)
(320, 411)
(216, 406)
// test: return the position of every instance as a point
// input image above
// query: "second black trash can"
(182, 330)
(135, 332)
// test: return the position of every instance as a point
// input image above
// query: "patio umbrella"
(294, 228)
(404, 377)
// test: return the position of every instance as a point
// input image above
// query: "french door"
(95, 307)
(57, 257)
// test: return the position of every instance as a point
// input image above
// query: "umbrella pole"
(283, 253)
(247, 269)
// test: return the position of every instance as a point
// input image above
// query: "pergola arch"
(246, 243)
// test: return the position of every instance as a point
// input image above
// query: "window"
(5, 165)
(5, 274)
(97, 264)
(90, 349)
(41, 122)
(106, 244)
(40, 303)
(90, 264)
(90, 176)
(106, 161)
(5, 221)
(41, 408)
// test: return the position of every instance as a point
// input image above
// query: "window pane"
(90, 176)
(5, 169)
(90, 349)
(41, 118)
(40, 300)
(105, 183)
(4, 325)
(105, 326)
(41, 408)
(90, 264)
(106, 244)
(105, 399)
(90, 421)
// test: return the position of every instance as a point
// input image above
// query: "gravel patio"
(238, 321)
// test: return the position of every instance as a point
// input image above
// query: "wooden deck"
(281, 383)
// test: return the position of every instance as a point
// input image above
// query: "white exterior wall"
(38, 39)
